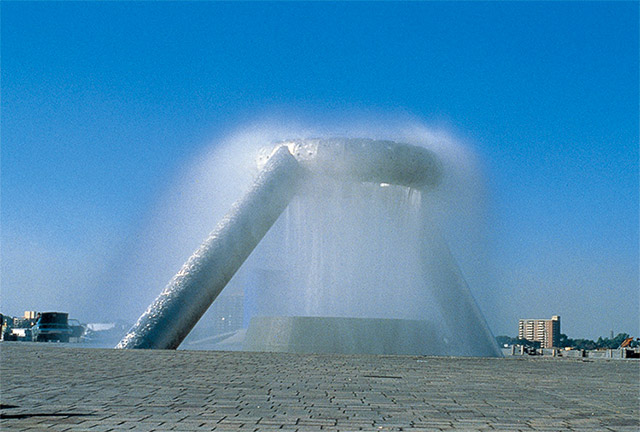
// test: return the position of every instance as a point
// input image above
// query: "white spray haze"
(344, 250)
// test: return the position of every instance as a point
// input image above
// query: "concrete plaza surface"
(48, 387)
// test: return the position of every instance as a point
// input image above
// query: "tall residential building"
(545, 331)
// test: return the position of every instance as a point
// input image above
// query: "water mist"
(356, 262)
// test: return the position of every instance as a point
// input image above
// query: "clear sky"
(103, 103)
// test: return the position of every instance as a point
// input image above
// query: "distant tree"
(584, 344)
(528, 343)
(611, 343)
(620, 338)
(566, 342)
(505, 340)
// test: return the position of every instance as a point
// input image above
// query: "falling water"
(350, 249)
(346, 250)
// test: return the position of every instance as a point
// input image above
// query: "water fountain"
(362, 267)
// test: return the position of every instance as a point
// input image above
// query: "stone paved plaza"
(48, 387)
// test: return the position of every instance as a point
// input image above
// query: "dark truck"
(52, 326)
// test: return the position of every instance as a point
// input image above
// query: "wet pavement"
(49, 387)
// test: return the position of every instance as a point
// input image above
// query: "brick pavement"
(48, 387)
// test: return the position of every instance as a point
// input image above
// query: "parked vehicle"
(77, 330)
(52, 326)
(20, 334)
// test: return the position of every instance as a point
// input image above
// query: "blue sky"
(104, 103)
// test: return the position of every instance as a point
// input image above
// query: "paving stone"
(58, 388)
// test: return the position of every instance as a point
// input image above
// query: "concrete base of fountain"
(343, 336)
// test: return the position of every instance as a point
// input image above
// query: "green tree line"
(567, 342)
